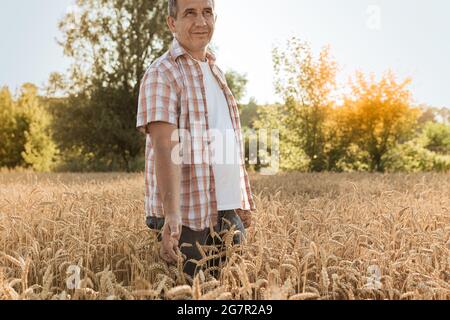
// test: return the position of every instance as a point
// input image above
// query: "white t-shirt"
(225, 149)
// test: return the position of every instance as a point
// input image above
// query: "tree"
(292, 156)
(56, 85)
(249, 113)
(340, 149)
(381, 115)
(11, 138)
(111, 42)
(436, 137)
(307, 86)
(237, 83)
(39, 150)
(428, 114)
(444, 115)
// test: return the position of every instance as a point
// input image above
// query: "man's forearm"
(168, 176)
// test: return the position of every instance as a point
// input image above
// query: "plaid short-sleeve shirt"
(173, 91)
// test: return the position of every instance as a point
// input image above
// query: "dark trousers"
(227, 219)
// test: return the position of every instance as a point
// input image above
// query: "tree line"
(369, 124)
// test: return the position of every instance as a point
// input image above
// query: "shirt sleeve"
(158, 101)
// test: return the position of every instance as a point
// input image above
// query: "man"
(191, 120)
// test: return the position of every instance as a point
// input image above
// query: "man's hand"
(171, 235)
(246, 217)
(168, 177)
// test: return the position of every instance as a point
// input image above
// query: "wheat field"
(315, 236)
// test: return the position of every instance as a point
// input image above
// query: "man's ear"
(171, 23)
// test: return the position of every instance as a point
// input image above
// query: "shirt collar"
(177, 50)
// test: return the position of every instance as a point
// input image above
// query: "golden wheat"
(314, 236)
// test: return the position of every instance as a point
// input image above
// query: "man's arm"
(168, 177)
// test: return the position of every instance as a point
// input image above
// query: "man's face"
(194, 25)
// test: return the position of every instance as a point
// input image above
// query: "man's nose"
(200, 20)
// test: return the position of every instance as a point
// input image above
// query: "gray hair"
(173, 8)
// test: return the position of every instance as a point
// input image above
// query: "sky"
(410, 37)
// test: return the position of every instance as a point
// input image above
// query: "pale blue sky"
(412, 39)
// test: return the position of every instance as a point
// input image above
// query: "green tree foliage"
(11, 138)
(341, 150)
(56, 85)
(237, 83)
(307, 85)
(291, 156)
(249, 113)
(111, 42)
(436, 137)
(25, 132)
(412, 156)
(39, 148)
